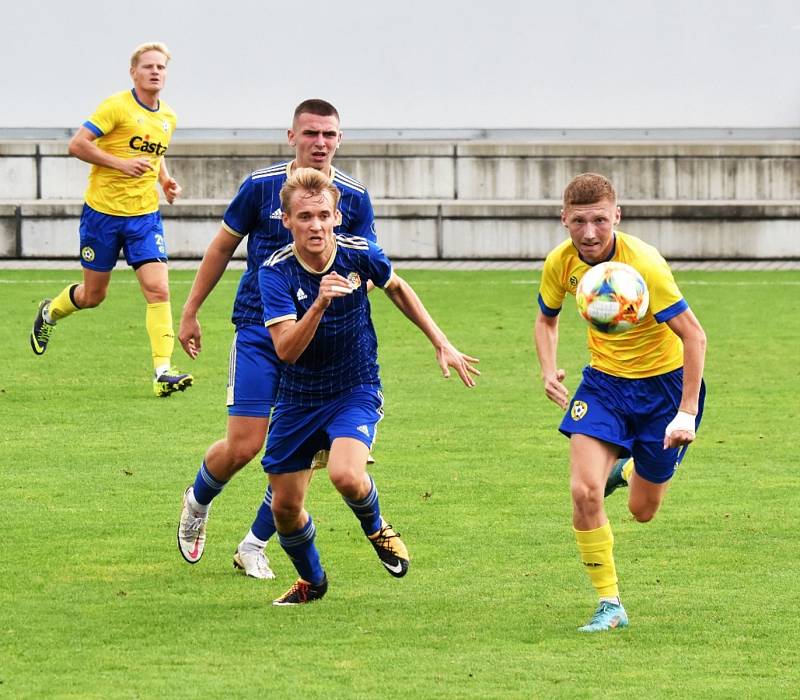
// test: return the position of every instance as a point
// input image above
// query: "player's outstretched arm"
(213, 264)
(406, 299)
(83, 147)
(545, 333)
(681, 430)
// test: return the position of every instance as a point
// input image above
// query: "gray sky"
(416, 63)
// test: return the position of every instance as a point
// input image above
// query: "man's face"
(315, 140)
(591, 228)
(311, 219)
(150, 72)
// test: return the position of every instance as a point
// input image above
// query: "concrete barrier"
(450, 229)
(454, 199)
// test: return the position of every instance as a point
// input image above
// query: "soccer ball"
(612, 297)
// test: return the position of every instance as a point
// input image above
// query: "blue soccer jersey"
(255, 212)
(343, 354)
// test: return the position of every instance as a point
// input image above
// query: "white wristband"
(682, 421)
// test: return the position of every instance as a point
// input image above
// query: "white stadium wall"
(464, 122)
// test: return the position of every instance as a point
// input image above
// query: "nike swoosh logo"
(397, 568)
(193, 553)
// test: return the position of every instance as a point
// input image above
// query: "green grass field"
(96, 602)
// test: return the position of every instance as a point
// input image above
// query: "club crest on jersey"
(87, 253)
(354, 279)
(301, 294)
(579, 409)
(165, 124)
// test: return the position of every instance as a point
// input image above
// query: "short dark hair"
(316, 106)
(589, 188)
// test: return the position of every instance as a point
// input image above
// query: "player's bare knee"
(586, 496)
(286, 509)
(92, 299)
(348, 482)
(156, 293)
(643, 512)
(241, 453)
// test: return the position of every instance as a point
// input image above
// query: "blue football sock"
(206, 488)
(300, 547)
(263, 526)
(368, 510)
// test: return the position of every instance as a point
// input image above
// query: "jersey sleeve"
(551, 291)
(104, 118)
(666, 300)
(364, 224)
(241, 215)
(276, 296)
(380, 267)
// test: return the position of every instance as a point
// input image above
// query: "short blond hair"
(589, 188)
(308, 180)
(149, 46)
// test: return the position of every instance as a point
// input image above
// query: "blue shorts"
(633, 414)
(103, 236)
(254, 372)
(297, 433)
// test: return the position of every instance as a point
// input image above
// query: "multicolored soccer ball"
(612, 297)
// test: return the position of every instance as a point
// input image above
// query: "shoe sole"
(183, 385)
(396, 574)
(610, 628)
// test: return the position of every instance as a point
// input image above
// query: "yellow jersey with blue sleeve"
(126, 128)
(650, 348)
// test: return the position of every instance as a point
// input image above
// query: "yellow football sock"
(627, 470)
(596, 549)
(63, 305)
(159, 327)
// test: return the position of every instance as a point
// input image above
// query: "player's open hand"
(555, 389)
(447, 356)
(135, 167)
(189, 335)
(172, 190)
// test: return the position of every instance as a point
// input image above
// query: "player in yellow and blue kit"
(314, 293)
(641, 395)
(126, 140)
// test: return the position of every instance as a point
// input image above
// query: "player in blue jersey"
(314, 293)
(125, 140)
(641, 396)
(255, 213)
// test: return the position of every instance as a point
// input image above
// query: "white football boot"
(191, 531)
(252, 562)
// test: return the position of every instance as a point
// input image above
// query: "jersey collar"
(609, 257)
(325, 269)
(142, 105)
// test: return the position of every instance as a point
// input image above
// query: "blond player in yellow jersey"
(641, 395)
(125, 140)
